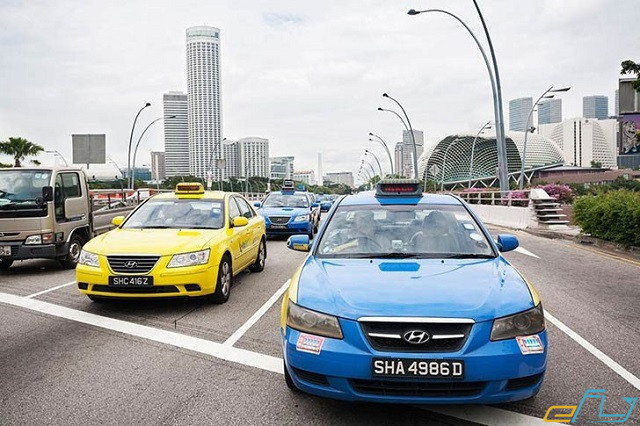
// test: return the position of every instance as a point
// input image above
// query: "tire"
(73, 252)
(5, 264)
(223, 282)
(258, 265)
(288, 380)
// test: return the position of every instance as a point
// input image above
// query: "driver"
(364, 230)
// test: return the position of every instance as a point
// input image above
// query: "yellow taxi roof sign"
(189, 188)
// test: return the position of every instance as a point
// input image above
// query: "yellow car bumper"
(186, 281)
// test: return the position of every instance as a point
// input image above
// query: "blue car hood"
(481, 289)
(283, 211)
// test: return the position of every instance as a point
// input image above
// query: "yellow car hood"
(153, 241)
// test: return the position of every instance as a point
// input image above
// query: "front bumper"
(495, 372)
(20, 251)
(167, 282)
(291, 229)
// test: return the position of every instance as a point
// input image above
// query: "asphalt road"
(67, 360)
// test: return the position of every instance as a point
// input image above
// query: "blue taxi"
(406, 298)
(289, 212)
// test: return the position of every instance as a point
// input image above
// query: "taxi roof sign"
(288, 184)
(189, 188)
(398, 187)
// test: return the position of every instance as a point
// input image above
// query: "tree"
(630, 67)
(596, 164)
(19, 148)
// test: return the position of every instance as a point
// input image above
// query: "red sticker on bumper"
(310, 343)
(530, 344)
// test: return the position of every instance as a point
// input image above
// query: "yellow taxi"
(190, 242)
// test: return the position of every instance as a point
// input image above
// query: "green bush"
(612, 216)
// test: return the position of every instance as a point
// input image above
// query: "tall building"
(158, 171)
(253, 157)
(203, 89)
(518, 112)
(281, 167)
(308, 177)
(550, 111)
(344, 178)
(595, 107)
(176, 134)
(231, 157)
(617, 101)
(404, 152)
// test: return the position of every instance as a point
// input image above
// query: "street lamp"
(367, 152)
(487, 125)
(57, 154)
(386, 148)
(135, 151)
(444, 162)
(503, 174)
(373, 171)
(131, 139)
(526, 130)
(413, 138)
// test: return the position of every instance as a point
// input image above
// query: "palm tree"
(19, 148)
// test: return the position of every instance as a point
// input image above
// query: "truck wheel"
(5, 264)
(73, 252)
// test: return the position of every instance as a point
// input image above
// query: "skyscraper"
(518, 113)
(404, 152)
(595, 107)
(232, 163)
(281, 167)
(176, 134)
(550, 111)
(253, 157)
(203, 89)
(157, 165)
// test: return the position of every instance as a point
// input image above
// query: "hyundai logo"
(416, 337)
(130, 264)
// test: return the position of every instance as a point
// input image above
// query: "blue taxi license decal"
(310, 343)
(530, 344)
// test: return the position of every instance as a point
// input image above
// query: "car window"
(182, 214)
(426, 231)
(286, 200)
(245, 209)
(71, 185)
(234, 211)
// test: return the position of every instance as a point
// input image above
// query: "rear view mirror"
(257, 204)
(117, 221)
(314, 205)
(298, 242)
(47, 193)
(240, 221)
(507, 242)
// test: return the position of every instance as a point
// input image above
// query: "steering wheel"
(370, 241)
(412, 240)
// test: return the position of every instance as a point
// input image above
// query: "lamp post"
(373, 171)
(526, 130)
(487, 125)
(413, 138)
(135, 151)
(131, 139)
(367, 152)
(57, 154)
(386, 148)
(444, 162)
(503, 174)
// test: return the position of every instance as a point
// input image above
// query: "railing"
(495, 198)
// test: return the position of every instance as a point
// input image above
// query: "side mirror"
(239, 221)
(117, 221)
(47, 193)
(326, 205)
(257, 204)
(314, 205)
(298, 243)
(507, 242)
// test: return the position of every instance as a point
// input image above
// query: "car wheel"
(223, 283)
(258, 265)
(73, 252)
(5, 264)
(288, 380)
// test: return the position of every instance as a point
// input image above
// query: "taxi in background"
(288, 212)
(190, 242)
(406, 298)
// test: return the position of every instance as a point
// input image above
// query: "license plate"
(423, 368)
(278, 226)
(131, 281)
(5, 250)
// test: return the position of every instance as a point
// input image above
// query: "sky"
(309, 76)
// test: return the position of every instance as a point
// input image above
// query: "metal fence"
(495, 198)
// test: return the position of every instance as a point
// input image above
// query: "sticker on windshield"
(475, 236)
(468, 226)
(310, 343)
(530, 344)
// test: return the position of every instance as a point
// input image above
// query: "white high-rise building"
(158, 171)
(404, 152)
(518, 113)
(281, 167)
(550, 111)
(232, 163)
(345, 178)
(253, 157)
(307, 177)
(176, 134)
(203, 89)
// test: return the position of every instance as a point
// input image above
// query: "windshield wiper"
(468, 256)
(395, 255)
(152, 227)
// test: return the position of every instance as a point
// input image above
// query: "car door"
(255, 228)
(248, 239)
(234, 235)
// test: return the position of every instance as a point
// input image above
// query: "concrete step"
(554, 222)
(548, 210)
(551, 216)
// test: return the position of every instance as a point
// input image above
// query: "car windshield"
(181, 214)
(286, 200)
(403, 231)
(21, 188)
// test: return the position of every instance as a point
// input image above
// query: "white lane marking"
(622, 372)
(486, 415)
(523, 250)
(48, 290)
(217, 350)
(255, 317)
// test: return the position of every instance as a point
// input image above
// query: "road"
(67, 360)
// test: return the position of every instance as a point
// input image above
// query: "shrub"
(613, 216)
(562, 193)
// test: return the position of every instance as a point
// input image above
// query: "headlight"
(522, 324)
(302, 218)
(303, 319)
(33, 239)
(189, 259)
(89, 259)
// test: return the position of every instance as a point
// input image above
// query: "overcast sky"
(306, 75)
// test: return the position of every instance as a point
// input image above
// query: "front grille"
(523, 382)
(444, 337)
(145, 290)
(279, 220)
(417, 389)
(132, 264)
(315, 378)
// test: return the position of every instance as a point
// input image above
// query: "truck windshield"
(22, 188)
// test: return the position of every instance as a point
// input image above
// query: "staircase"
(549, 213)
